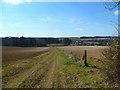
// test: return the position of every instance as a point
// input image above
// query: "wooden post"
(85, 58)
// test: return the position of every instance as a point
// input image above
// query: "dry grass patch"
(93, 51)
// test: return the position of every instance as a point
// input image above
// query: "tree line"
(33, 42)
(43, 42)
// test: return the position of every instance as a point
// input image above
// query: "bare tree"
(111, 4)
(112, 54)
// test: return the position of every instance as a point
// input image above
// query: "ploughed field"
(52, 67)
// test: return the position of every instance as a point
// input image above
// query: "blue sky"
(57, 19)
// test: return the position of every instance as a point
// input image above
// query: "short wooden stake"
(85, 58)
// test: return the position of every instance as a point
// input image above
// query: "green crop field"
(50, 68)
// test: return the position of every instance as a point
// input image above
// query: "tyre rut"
(16, 81)
(38, 74)
(47, 80)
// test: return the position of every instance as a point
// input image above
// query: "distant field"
(44, 67)
(16, 53)
(92, 51)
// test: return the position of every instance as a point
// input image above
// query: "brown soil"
(16, 53)
(36, 72)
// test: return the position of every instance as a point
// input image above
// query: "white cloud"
(48, 19)
(16, 2)
(72, 20)
(56, 30)
(56, 1)
(51, 19)
(76, 21)
(117, 12)
(78, 29)
(28, 0)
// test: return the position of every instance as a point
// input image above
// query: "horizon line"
(59, 36)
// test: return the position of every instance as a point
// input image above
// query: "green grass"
(72, 74)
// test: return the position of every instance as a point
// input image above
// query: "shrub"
(111, 63)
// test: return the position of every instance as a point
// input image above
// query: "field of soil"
(16, 53)
(51, 68)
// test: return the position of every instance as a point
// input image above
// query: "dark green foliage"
(42, 42)
(34, 42)
(66, 41)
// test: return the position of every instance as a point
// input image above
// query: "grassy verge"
(72, 74)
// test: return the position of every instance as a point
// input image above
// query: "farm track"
(41, 72)
(51, 69)
(31, 66)
(47, 79)
(37, 77)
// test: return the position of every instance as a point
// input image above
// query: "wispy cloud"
(59, 0)
(56, 30)
(47, 18)
(78, 29)
(51, 19)
(117, 12)
(72, 20)
(76, 21)
(16, 2)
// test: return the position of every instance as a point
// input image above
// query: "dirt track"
(39, 74)
(51, 69)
